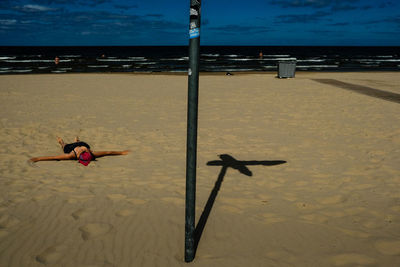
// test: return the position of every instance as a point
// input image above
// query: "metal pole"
(191, 141)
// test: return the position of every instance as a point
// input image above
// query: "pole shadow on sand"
(226, 162)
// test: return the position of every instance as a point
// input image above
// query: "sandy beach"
(335, 202)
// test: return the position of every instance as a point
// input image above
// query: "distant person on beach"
(56, 60)
(79, 151)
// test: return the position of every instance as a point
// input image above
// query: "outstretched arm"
(99, 154)
(60, 157)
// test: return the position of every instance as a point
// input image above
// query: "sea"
(174, 59)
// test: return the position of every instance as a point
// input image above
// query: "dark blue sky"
(224, 22)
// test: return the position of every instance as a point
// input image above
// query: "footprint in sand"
(18, 200)
(116, 197)
(371, 224)
(79, 198)
(307, 206)
(388, 247)
(362, 186)
(395, 208)
(231, 209)
(64, 189)
(40, 197)
(174, 200)
(96, 264)
(124, 213)
(334, 214)
(352, 259)
(354, 211)
(51, 255)
(314, 218)
(282, 257)
(3, 233)
(270, 218)
(301, 183)
(78, 214)
(137, 201)
(157, 186)
(290, 197)
(95, 230)
(8, 221)
(332, 200)
(354, 233)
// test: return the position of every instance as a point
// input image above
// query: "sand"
(335, 202)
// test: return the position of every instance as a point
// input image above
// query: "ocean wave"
(35, 60)
(115, 59)
(145, 63)
(228, 68)
(138, 58)
(28, 60)
(210, 55)
(276, 55)
(73, 56)
(179, 71)
(278, 59)
(216, 67)
(370, 63)
(4, 58)
(311, 60)
(264, 59)
(238, 69)
(316, 66)
(177, 59)
(32, 56)
(241, 59)
(377, 60)
(233, 55)
(21, 71)
(286, 59)
(98, 66)
(58, 71)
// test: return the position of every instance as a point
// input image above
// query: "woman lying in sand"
(79, 150)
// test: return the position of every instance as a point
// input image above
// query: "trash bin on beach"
(286, 69)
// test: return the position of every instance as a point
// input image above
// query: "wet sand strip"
(385, 95)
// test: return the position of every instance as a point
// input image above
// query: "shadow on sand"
(226, 162)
